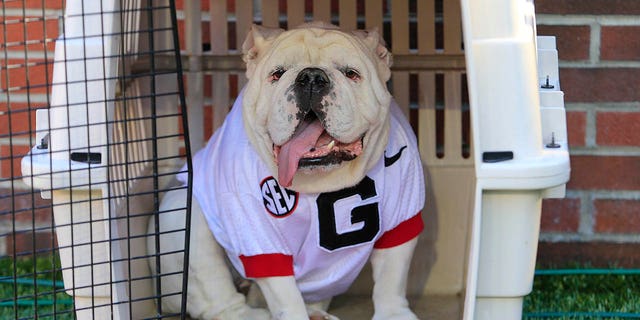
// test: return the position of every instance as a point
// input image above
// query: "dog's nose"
(313, 79)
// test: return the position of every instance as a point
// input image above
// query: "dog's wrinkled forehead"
(314, 44)
(311, 47)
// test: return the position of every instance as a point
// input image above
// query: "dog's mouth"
(310, 147)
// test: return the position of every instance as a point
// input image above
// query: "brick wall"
(599, 51)
(27, 34)
(599, 47)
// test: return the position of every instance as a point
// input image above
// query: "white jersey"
(323, 239)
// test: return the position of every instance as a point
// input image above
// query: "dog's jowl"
(314, 172)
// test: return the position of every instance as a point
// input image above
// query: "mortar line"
(586, 19)
(587, 219)
(590, 128)
(594, 43)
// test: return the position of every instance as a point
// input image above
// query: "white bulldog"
(313, 173)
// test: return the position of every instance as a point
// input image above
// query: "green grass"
(21, 294)
(584, 296)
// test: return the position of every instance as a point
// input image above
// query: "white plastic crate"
(485, 185)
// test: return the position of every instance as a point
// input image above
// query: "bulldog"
(314, 172)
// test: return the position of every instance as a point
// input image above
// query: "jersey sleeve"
(402, 233)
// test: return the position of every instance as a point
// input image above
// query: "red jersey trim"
(267, 265)
(404, 232)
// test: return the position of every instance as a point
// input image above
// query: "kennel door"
(113, 143)
(521, 152)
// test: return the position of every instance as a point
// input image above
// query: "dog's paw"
(398, 314)
(321, 315)
(243, 312)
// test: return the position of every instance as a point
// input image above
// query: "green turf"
(584, 296)
(22, 293)
(581, 294)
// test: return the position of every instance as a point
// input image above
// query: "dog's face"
(316, 105)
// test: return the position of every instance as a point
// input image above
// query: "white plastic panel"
(521, 153)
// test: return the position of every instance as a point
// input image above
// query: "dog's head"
(316, 104)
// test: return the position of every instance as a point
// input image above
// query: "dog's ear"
(375, 42)
(257, 41)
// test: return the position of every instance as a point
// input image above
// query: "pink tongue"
(290, 153)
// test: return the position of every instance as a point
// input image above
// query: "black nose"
(312, 79)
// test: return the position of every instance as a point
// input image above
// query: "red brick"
(572, 41)
(233, 85)
(21, 123)
(605, 173)
(204, 4)
(560, 215)
(29, 242)
(598, 7)
(208, 122)
(32, 4)
(600, 84)
(33, 74)
(231, 5)
(24, 206)
(617, 216)
(576, 127)
(618, 128)
(620, 43)
(179, 120)
(35, 32)
(282, 6)
(7, 158)
(205, 33)
(597, 254)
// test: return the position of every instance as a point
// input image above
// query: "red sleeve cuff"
(404, 232)
(267, 265)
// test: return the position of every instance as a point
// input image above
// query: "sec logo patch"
(279, 202)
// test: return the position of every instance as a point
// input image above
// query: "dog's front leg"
(390, 273)
(285, 301)
(283, 298)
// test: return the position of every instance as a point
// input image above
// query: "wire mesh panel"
(91, 118)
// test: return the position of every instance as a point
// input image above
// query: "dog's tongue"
(290, 153)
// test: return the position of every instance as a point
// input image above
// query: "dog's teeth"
(331, 144)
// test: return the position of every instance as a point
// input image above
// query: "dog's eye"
(276, 75)
(351, 74)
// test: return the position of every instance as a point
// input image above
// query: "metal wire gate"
(92, 112)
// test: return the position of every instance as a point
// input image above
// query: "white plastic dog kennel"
(487, 109)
